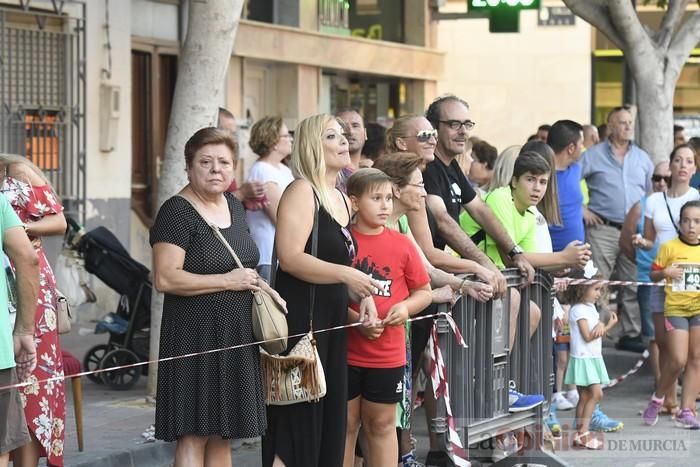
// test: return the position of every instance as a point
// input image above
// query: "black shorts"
(380, 385)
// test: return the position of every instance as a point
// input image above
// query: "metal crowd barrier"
(479, 375)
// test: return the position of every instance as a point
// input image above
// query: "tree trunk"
(655, 114)
(203, 61)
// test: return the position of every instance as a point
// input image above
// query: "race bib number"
(689, 281)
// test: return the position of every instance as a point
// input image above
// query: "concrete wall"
(515, 82)
(108, 173)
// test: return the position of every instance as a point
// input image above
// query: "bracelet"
(461, 285)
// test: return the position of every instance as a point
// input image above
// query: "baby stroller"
(128, 327)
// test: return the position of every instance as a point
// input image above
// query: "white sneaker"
(572, 396)
(561, 402)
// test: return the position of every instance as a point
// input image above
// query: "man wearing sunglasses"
(449, 190)
(618, 173)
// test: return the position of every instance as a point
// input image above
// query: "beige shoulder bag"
(269, 320)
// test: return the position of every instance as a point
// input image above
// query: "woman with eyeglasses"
(269, 139)
(633, 226)
(415, 134)
(661, 224)
(312, 434)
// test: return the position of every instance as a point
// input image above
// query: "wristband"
(461, 285)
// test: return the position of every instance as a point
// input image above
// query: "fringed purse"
(297, 376)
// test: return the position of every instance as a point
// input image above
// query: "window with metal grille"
(42, 92)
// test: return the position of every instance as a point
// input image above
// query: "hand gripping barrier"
(479, 375)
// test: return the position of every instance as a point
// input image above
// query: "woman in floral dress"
(30, 194)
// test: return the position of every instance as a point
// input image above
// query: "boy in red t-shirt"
(377, 351)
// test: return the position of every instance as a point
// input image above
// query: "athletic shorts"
(13, 427)
(380, 385)
(681, 323)
(657, 297)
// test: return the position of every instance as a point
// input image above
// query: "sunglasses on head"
(425, 135)
(349, 244)
(657, 178)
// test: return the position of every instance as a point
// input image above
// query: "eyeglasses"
(417, 185)
(456, 124)
(425, 135)
(657, 178)
(349, 244)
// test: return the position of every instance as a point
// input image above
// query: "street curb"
(152, 454)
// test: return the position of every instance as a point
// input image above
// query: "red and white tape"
(193, 354)
(624, 376)
(561, 280)
(438, 378)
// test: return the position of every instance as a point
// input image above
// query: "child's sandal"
(588, 441)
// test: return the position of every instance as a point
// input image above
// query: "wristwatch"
(516, 250)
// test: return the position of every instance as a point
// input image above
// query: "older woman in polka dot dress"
(204, 401)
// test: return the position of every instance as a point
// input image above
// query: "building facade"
(86, 86)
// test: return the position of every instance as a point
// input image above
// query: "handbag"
(63, 313)
(269, 321)
(298, 376)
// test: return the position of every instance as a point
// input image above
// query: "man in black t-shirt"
(449, 190)
(450, 184)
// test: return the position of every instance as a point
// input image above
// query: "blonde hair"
(400, 129)
(503, 168)
(308, 162)
(7, 160)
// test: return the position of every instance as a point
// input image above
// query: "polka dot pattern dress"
(219, 393)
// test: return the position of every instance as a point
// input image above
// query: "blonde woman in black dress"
(313, 434)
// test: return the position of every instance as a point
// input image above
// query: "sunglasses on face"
(425, 135)
(657, 178)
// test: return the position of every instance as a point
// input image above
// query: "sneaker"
(518, 402)
(601, 422)
(572, 396)
(561, 402)
(651, 414)
(506, 446)
(685, 418)
(552, 422)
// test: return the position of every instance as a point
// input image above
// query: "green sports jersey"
(520, 227)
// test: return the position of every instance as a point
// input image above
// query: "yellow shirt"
(682, 295)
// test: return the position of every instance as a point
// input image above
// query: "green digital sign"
(518, 4)
(504, 15)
